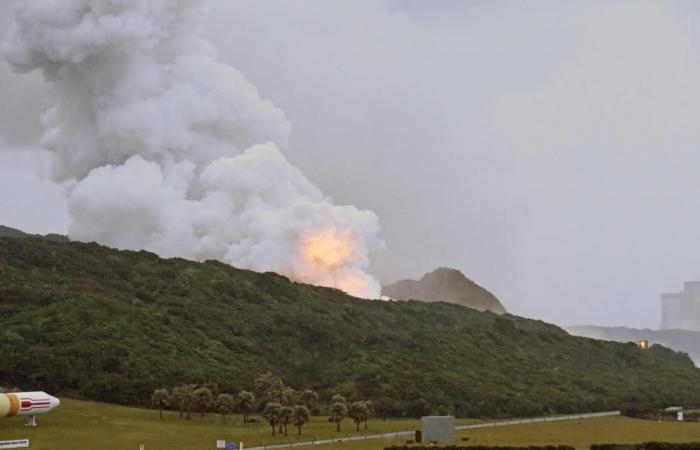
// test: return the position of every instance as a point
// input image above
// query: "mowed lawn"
(577, 433)
(80, 425)
(583, 433)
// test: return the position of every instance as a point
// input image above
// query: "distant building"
(670, 311)
(682, 310)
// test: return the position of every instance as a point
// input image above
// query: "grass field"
(78, 425)
(577, 433)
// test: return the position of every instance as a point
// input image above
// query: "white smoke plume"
(162, 147)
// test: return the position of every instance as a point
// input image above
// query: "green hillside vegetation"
(15, 233)
(91, 322)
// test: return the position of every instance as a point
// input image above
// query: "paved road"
(502, 423)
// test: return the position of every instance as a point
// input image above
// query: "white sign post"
(17, 443)
(680, 416)
(220, 444)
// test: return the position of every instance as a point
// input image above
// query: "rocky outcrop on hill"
(445, 285)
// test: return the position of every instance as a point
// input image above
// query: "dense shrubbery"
(86, 321)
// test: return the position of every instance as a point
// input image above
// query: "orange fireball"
(328, 250)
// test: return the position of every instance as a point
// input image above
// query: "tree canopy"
(87, 321)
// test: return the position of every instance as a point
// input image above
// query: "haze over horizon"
(547, 150)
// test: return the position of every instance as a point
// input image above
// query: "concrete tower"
(670, 311)
(682, 310)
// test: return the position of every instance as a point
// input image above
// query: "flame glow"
(327, 250)
(326, 257)
(163, 147)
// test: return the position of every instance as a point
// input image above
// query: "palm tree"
(337, 398)
(338, 412)
(205, 400)
(370, 410)
(309, 398)
(246, 404)
(359, 412)
(272, 414)
(285, 395)
(301, 416)
(188, 399)
(161, 399)
(176, 399)
(286, 417)
(225, 405)
(273, 389)
(267, 383)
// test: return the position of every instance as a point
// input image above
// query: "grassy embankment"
(79, 425)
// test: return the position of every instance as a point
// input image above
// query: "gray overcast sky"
(550, 150)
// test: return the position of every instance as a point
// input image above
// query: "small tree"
(161, 399)
(271, 413)
(337, 398)
(176, 399)
(338, 412)
(265, 382)
(187, 399)
(286, 417)
(225, 405)
(246, 404)
(309, 398)
(205, 400)
(272, 389)
(370, 411)
(301, 417)
(359, 412)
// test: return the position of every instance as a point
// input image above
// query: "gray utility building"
(682, 310)
(439, 429)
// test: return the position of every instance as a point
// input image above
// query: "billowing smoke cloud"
(164, 148)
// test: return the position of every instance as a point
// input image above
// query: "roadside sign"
(680, 416)
(17, 443)
(220, 444)
(142, 447)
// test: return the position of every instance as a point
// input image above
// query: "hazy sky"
(549, 150)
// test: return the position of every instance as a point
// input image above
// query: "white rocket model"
(27, 404)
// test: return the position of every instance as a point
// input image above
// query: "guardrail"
(538, 420)
(475, 426)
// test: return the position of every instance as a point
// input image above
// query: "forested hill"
(87, 321)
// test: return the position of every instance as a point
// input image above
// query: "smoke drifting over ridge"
(162, 147)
